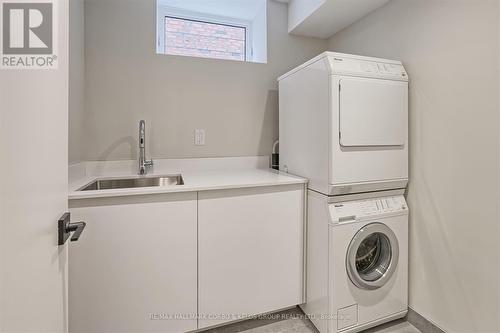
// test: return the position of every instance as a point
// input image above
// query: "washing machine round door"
(372, 256)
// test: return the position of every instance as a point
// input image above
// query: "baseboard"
(421, 323)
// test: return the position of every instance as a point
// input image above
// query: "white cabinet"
(250, 252)
(135, 265)
(154, 263)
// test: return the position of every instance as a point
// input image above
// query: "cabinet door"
(373, 112)
(250, 252)
(134, 268)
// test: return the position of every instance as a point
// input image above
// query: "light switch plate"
(199, 137)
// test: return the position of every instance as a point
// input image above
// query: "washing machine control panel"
(362, 209)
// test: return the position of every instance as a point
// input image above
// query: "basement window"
(195, 29)
(193, 38)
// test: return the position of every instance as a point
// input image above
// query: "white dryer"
(344, 123)
(357, 262)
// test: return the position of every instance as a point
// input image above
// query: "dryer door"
(372, 112)
(372, 256)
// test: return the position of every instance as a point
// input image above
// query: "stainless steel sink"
(110, 184)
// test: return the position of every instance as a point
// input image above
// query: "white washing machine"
(357, 261)
(344, 123)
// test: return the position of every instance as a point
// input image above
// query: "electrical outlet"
(199, 137)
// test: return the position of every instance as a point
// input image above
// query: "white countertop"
(198, 175)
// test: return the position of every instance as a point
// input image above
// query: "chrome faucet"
(143, 163)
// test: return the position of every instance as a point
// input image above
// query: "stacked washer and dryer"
(344, 126)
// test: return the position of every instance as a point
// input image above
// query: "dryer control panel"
(366, 209)
(368, 68)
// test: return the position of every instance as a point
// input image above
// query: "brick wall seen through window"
(204, 39)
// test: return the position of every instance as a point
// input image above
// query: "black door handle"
(65, 228)
(77, 229)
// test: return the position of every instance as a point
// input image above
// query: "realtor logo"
(28, 34)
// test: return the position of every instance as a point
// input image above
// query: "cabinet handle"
(65, 228)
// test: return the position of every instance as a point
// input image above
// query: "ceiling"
(324, 18)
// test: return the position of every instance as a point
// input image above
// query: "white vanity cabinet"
(250, 252)
(180, 262)
(135, 266)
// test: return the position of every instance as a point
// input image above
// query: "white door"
(33, 193)
(372, 112)
(250, 249)
(369, 133)
(135, 270)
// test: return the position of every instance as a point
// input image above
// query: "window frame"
(162, 12)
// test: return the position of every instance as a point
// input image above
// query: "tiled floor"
(293, 321)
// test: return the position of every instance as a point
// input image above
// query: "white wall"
(236, 103)
(259, 42)
(450, 49)
(324, 19)
(236, 9)
(300, 9)
(76, 80)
